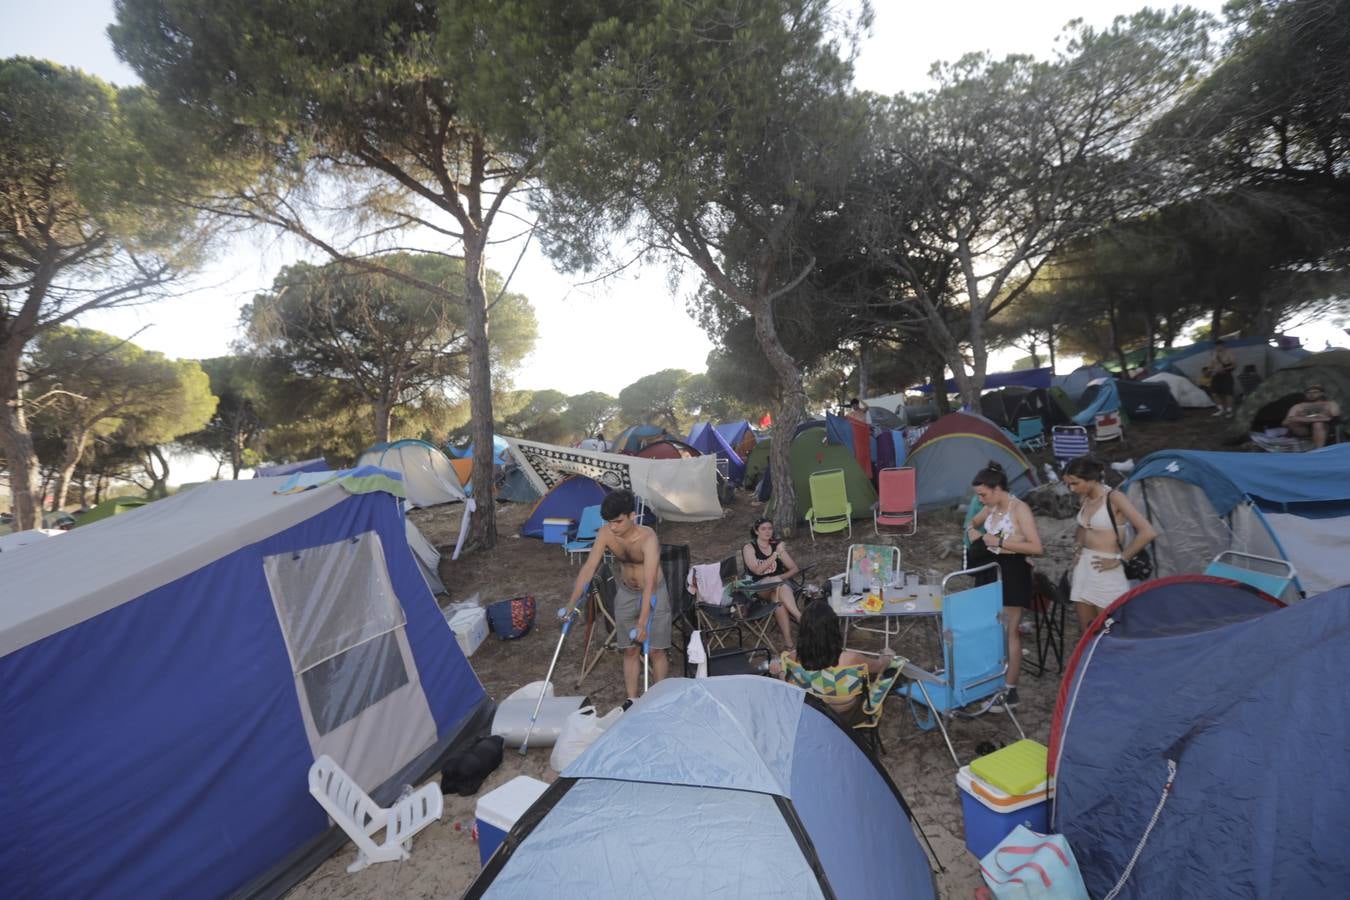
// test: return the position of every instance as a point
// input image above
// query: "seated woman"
(820, 663)
(766, 559)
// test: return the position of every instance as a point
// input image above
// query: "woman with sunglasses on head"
(766, 558)
(1099, 567)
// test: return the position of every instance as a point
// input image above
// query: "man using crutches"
(638, 618)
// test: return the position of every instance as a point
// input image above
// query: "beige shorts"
(1098, 588)
(627, 605)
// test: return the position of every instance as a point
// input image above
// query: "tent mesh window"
(340, 616)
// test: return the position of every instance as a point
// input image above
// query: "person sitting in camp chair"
(767, 559)
(640, 580)
(1313, 417)
(820, 664)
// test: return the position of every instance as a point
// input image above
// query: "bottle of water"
(1051, 475)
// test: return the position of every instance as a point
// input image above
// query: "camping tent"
(14, 540)
(1100, 397)
(427, 474)
(113, 506)
(1005, 406)
(708, 439)
(1184, 391)
(1293, 506)
(1145, 400)
(1256, 351)
(565, 500)
(739, 436)
(317, 464)
(1077, 381)
(953, 449)
(167, 678)
(1041, 378)
(668, 448)
(1243, 697)
(812, 452)
(737, 786)
(680, 490)
(1331, 369)
(634, 438)
(427, 556)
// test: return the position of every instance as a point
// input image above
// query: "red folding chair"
(896, 505)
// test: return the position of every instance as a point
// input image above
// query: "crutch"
(568, 618)
(646, 647)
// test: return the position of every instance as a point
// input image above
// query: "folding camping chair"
(599, 613)
(587, 529)
(1049, 613)
(1107, 427)
(730, 659)
(830, 510)
(974, 655)
(1031, 433)
(868, 564)
(1265, 573)
(733, 607)
(850, 692)
(1069, 442)
(896, 504)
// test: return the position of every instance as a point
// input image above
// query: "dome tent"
(427, 474)
(1292, 506)
(953, 449)
(734, 786)
(1330, 369)
(1165, 730)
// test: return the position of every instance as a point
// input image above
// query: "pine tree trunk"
(483, 532)
(75, 443)
(939, 379)
(25, 476)
(788, 413)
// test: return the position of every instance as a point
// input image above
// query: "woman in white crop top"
(1098, 573)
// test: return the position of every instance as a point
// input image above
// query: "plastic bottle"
(1050, 474)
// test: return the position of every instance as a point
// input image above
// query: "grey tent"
(737, 786)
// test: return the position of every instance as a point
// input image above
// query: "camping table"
(904, 607)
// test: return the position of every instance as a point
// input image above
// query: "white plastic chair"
(349, 807)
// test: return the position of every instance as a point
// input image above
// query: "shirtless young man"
(639, 555)
(1312, 416)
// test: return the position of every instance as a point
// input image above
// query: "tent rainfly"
(428, 477)
(736, 786)
(168, 677)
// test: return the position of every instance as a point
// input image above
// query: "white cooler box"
(470, 627)
(499, 809)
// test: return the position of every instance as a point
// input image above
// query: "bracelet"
(1116, 556)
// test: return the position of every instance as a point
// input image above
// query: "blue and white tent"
(1103, 397)
(317, 464)
(1198, 746)
(167, 679)
(1292, 506)
(737, 786)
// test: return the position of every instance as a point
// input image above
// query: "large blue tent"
(737, 786)
(167, 679)
(707, 439)
(1291, 506)
(1199, 743)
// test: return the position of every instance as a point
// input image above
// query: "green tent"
(1331, 369)
(810, 453)
(114, 506)
(756, 463)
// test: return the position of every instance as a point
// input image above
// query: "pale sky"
(906, 39)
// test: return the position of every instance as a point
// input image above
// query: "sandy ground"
(445, 856)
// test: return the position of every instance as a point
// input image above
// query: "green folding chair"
(830, 510)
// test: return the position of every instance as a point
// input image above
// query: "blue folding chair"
(1031, 433)
(974, 657)
(587, 529)
(1273, 576)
